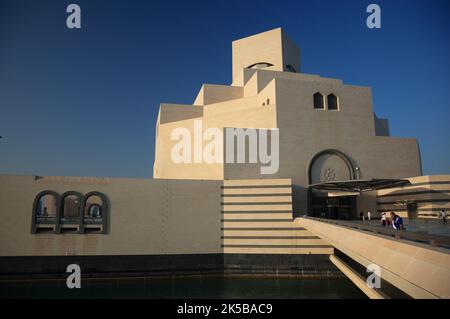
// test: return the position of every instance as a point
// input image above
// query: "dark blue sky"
(84, 102)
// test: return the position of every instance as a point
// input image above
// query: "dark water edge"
(202, 287)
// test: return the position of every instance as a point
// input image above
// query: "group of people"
(395, 221)
(363, 217)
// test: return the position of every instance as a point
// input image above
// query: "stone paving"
(430, 226)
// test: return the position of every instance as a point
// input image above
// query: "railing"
(93, 220)
(434, 240)
(45, 219)
(70, 220)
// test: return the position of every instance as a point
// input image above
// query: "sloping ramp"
(419, 270)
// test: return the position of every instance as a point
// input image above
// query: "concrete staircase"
(257, 219)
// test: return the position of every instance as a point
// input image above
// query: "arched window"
(332, 102)
(327, 166)
(71, 203)
(260, 65)
(318, 101)
(71, 207)
(95, 212)
(46, 206)
(70, 212)
(45, 211)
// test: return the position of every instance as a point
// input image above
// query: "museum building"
(336, 158)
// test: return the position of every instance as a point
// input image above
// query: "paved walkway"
(433, 226)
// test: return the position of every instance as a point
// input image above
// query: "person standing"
(383, 219)
(443, 216)
(368, 215)
(397, 221)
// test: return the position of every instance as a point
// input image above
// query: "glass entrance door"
(342, 207)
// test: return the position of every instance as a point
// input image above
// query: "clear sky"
(84, 102)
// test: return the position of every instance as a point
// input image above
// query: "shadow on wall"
(299, 200)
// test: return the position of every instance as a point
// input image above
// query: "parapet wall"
(160, 227)
(146, 217)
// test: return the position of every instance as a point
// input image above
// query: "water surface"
(204, 287)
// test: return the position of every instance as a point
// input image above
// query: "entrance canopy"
(360, 185)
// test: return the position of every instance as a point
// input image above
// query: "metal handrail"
(93, 220)
(433, 240)
(45, 219)
(70, 220)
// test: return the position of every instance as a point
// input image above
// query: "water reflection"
(201, 287)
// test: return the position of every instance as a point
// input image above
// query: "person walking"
(383, 219)
(368, 215)
(443, 216)
(397, 221)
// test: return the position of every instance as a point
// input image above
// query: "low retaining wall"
(161, 227)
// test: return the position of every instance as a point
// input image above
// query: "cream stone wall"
(157, 217)
(266, 47)
(431, 194)
(247, 112)
(147, 217)
(350, 130)
(210, 93)
(257, 219)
